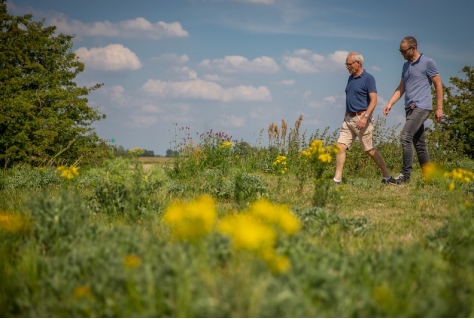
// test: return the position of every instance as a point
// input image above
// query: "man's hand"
(439, 115)
(362, 123)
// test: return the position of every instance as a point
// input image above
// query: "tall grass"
(122, 240)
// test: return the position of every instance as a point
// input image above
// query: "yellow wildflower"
(280, 164)
(318, 153)
(82, 292)
(277, 263)
(280, 264)
(325, 158)
(192, 220)
(451, 186)
(131, 261)
(248, 232)
(430, 171)
(68, 173)
(13, 223)
(226, 144)
(279, 215)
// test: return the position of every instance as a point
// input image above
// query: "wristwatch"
(366, 115)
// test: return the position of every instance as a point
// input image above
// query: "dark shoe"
(399, 180)
(385, 180)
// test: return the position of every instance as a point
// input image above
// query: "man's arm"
(439, 96)
(370, 109)
(399, 91)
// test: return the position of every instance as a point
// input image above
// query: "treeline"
(123, 152)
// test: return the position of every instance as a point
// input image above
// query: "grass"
(373, 251)
(398, 214)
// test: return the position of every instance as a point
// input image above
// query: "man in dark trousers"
(418, 74)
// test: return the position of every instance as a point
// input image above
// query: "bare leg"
(378, 159)
(340, 160)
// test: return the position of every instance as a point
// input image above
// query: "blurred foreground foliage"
(122, 240)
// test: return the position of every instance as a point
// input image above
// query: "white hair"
(356, 57)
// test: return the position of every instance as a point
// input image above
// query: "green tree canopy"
(44, 114)
(459, 108)
(455, 134)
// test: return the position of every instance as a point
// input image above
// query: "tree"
(148, 153)
(456, 132)
(44, 115)
(171, 153)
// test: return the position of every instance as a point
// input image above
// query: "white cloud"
(338, 57)
(171, 58)
(375, 68)
(286, 82)
(184, 73)
(305, 61)
(143, 120)
(212, 77)
(117, 95)
(136, 28)
(150, 108)
(114, 57)
(205, 90)
(239, 64)
(330, 99)
(337, 101)
(232, 121)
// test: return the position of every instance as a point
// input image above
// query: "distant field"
(151, 160)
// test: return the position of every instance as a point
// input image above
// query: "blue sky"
(239, 65)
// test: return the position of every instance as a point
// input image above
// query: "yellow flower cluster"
(13, 223)
(131, 261)
(68, 172)
(191, 221)
(226, 144)
(317, 151)
(280, 164)
(82, 291)
(432, 171)
(256, 230)
(277, 215)
(460, 175)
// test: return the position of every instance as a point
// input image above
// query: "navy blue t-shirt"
(357, 92)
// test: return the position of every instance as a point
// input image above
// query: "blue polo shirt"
(357, 91)
(417, 76)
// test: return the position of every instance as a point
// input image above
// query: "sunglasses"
(406, 50)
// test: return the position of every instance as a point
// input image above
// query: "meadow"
(230, 229)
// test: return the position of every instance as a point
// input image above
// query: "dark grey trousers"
(413, 134)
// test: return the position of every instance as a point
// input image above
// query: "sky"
(174, 69)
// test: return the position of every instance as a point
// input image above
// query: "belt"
(352, 114)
